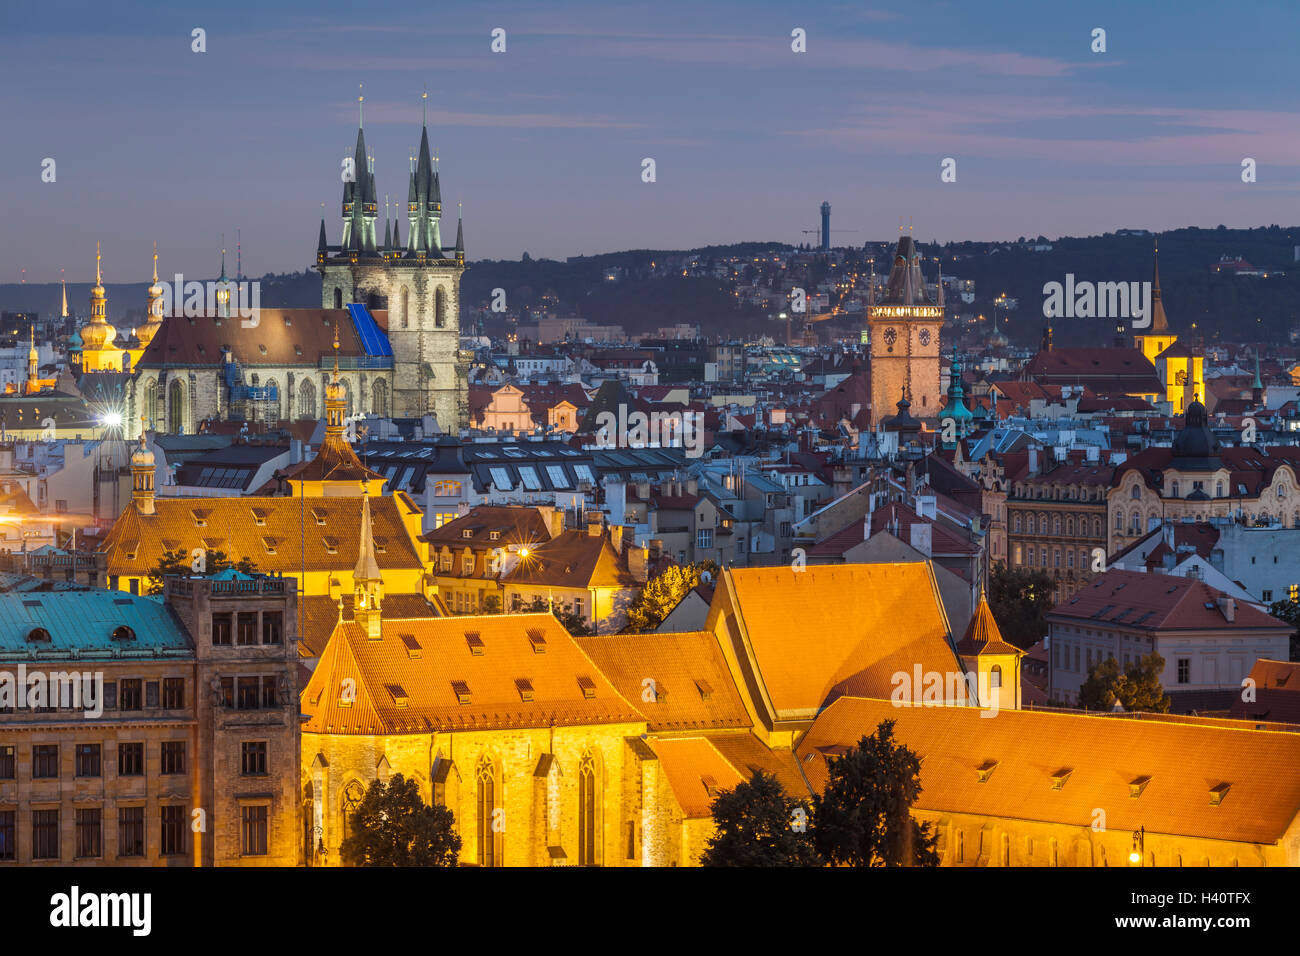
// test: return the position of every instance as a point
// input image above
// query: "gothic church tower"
(417, 282)
(904, 331)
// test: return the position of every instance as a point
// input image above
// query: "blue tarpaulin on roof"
(373, 339)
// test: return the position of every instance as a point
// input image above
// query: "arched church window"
(353, 794)
(995, 677)
(440, 307)
(486, 778)
(379, 398)
(587, 809)
(404, 301)
(338, 298)
(307, 399)
(1136, 493)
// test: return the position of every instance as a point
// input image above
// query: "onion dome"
(98, 334)
(142, 457)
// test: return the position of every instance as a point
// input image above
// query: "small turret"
(142, 475)
(460, 239)
(367, 582)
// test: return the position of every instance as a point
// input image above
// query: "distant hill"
(1227, 306)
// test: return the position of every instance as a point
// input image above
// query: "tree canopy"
(1138, 688)
(394, 827)
(1020, 600)
(758, 824)
(664, 592)
(180, 562)
(863, 815)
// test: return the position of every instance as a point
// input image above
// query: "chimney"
(1228, 607)
(643, 490)
(920, 537)
(1033, 461)
(692, 486)
(926, 506)
(638, 563)
(616, 537)
(595, 525)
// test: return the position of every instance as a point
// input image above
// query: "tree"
(394, 827)
(569, 619)
(1138, 688)
(758, 824)
(180, 562)
(1020, 600)
(863, 815)
(1289, 612)
(664, 591)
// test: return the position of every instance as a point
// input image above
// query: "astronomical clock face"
(891, 336)
(924, 336)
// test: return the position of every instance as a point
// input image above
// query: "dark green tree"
(394, 827)
(1138, 688)
(1020, 600)
(664, 591)
(758, 824)
(863, 815)
(178, 561)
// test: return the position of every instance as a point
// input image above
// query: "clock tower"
(904, 335)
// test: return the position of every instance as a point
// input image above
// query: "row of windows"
(173, 840)
(1034, 557)
(129, 694)
(89, 760)
(1042, 524)
(245, 630)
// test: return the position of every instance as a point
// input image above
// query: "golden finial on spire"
(361, 101)
(336, 353)
(155, 262)
(98, 273)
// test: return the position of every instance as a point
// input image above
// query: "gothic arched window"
(379, 398)
(404, 301)
(486, 777)
(338, 298)
(176, 407)
(587, 811)
(440, 307)
(307, 399)
(353, 794)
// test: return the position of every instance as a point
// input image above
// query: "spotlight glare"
(112, 419)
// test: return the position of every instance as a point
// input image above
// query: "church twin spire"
(360, 207)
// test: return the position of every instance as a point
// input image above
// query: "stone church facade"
(394, 304)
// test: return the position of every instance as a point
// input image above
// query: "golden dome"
(146, 332)
(97, 335)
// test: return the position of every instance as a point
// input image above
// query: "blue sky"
(543, 144)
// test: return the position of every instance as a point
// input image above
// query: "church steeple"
(1159, 324)
(367, 582)
(460, 237)
(98, 334)
(335, 400)
(33, 364)
(154, 308)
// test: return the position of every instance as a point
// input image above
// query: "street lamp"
(1139, 846)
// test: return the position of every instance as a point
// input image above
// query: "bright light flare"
(112, 420)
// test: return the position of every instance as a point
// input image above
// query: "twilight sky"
(543, 143)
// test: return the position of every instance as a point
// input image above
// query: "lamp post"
(1139, 846)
